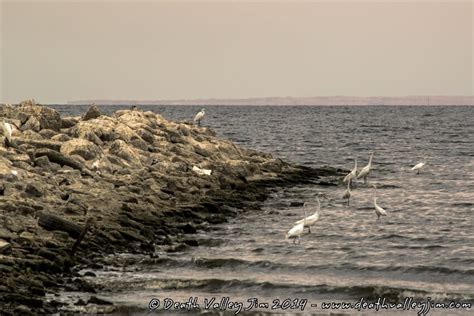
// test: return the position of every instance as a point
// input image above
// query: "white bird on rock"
(199, 116)
(419, 166)
(378, 210)
(7, 132)
(202, 171)
(296, 231)
(351, 175)
(364, 172)
(312, 219)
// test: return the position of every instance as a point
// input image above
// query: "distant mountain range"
(331, 100)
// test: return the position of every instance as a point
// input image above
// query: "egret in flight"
(296, 231)
(419, 166)
(364, 172)
(351, 175)
(312, 219)
(7, 132)
(199, 117)
(378, 210)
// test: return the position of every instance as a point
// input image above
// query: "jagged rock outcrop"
(126, 180)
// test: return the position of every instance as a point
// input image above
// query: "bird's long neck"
(348, 185)
(370, 159)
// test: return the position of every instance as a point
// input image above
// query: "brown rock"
(92, 113)
(81, 147)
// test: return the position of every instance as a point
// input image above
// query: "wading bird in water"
(351, 175)
(419, 166)
(378, 210)
(312, 219)
(199, 117)
(347, 193)
(364, 172)
(296, 231)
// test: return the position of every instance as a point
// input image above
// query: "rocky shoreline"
(75, 189)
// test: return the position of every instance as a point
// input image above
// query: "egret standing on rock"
(312, 219)
(199, 117)
(364, 172)
(351, 175)
(378, 210)
(7, 132)
(296, 231)
(419, 166)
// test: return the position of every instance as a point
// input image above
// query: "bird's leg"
(418, 172)
(309, 229)
(347, 201)
(365, 179)
(294, 241)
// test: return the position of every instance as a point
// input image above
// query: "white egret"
(364, 172)
(7, 132)
(199, 117)
(351, 175)
(296, 231)
(312, 219)
(378, 210)
(419, 166)
(347, 193)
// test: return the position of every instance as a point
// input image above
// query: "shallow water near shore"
(423, 248)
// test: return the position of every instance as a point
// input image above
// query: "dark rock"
(188, 229)
(43, 162)
(34, 189)
(98, 301)
(92, 113)
(191, 242)
(80, 302)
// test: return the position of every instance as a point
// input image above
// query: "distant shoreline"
(291, 101)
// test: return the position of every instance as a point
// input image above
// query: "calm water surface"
(423, 248)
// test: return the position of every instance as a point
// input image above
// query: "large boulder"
(81, 147)
(47, 117)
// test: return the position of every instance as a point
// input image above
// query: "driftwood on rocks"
(53, 222)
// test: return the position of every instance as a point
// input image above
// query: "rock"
(98, 301)
(34, 189)
(31, 124)
(5, 247)
(61, 138)
(188, 229)
(92, 113)
(47, 133)
(81, 147)
(48, 118)
(43, 162)
(68, 122)
(124, 151)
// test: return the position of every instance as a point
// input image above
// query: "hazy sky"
(64, 50)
